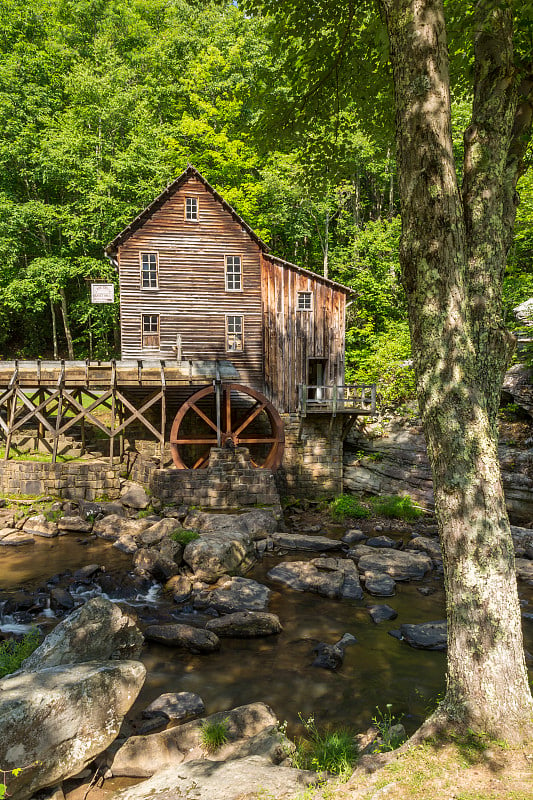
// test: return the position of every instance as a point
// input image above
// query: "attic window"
(191, 209)
(234, 333)
(305, 301)
(233, 273)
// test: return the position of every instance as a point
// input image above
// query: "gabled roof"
(172, 188)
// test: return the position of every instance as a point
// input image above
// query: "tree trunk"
(64, 314)
(54, 329)
(451, 261)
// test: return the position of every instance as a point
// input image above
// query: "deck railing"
(358, 398)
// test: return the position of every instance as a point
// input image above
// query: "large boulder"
(158, 531)
(235, 594)
(299, 541)
(399, 564)
(40, 526)
(217, 554)
(55, 721)
(142, 756)
(328, 577)
(426, 635)
(248, 777)
(257, 523)
(114, 526)
(175, 706)
(13, 537)
(99, 630)
(74, 524)
(154, 563)
(134, 496)
(245, 625)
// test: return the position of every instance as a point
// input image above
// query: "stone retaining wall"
(312, 463)
(71, 480)
(229, 481)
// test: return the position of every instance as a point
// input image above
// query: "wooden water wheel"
(227, 415)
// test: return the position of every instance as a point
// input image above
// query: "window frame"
(197, 201)
(155, 253)
(151, 333)
(227, 332)
(227, 273)
(302, 294)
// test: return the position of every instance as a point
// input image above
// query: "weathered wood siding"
(191, 296)
(292, 337)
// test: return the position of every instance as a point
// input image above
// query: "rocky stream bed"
(259, 619)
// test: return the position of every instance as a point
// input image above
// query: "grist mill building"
(223, 344)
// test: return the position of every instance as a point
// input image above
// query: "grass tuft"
(396, 507)
(13, 652)
(325, 751)
(214, 735)
(184, 536)
(345, 505)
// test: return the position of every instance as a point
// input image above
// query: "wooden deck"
(356, 399)
(103, 374)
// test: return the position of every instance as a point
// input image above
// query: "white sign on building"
(102, 293)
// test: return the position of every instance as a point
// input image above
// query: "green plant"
(145, 512)
(396, 507)
(389, 736)
(53, 516)
(184, 536)
(347, 506)
(214, 734)
(325, 751)
(13, 653)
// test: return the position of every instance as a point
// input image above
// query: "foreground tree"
(453, 253)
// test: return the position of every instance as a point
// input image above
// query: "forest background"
(104, 102)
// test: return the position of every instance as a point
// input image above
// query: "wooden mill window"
(191, 209)
(234, 333)
(233, 273)
(305, 301)
(150, 330)
(149, 270)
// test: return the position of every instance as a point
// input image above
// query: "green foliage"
(184, 536)
(345, 505)
(214, 734)
(385, 722)
(13, 653)
(396, 507)
(325, 751)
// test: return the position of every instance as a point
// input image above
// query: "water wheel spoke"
(203, 416)
(258, 440)
(252, 414)
(202, 462)
(227, 410)
(212, 442)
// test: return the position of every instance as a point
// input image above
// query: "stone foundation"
(71, 481)
(312, 463)
(229, 482)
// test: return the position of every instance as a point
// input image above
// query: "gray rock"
(134, 496)
(223, 780)
(216, 554)
(171, 549)
(245, 625)
(40, 526)
(379, 584)
(181, 588)
(60, 598)
(155, 564)
(142, 756)
(328, 577)
(177, 635)
(113, 527)
(57, 720)
(235, 594)
(11, 537)
(74, 524)
(426, 545)
(157, 532)
(175, 706)
(99, 630)
(89, 571)
(126, 544)
(381, 613)
(92, 508)
(426, 636)
(7, 517)
(399, 564)
(295, 541)
(380, 541)
(330, 656)
(257, 523)
(524, 569)
(354, 535)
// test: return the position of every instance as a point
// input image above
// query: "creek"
(277, 670)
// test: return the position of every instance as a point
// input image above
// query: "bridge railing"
(357, 398)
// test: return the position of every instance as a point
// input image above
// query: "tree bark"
(452, 252)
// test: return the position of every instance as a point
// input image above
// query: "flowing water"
(277, 670)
